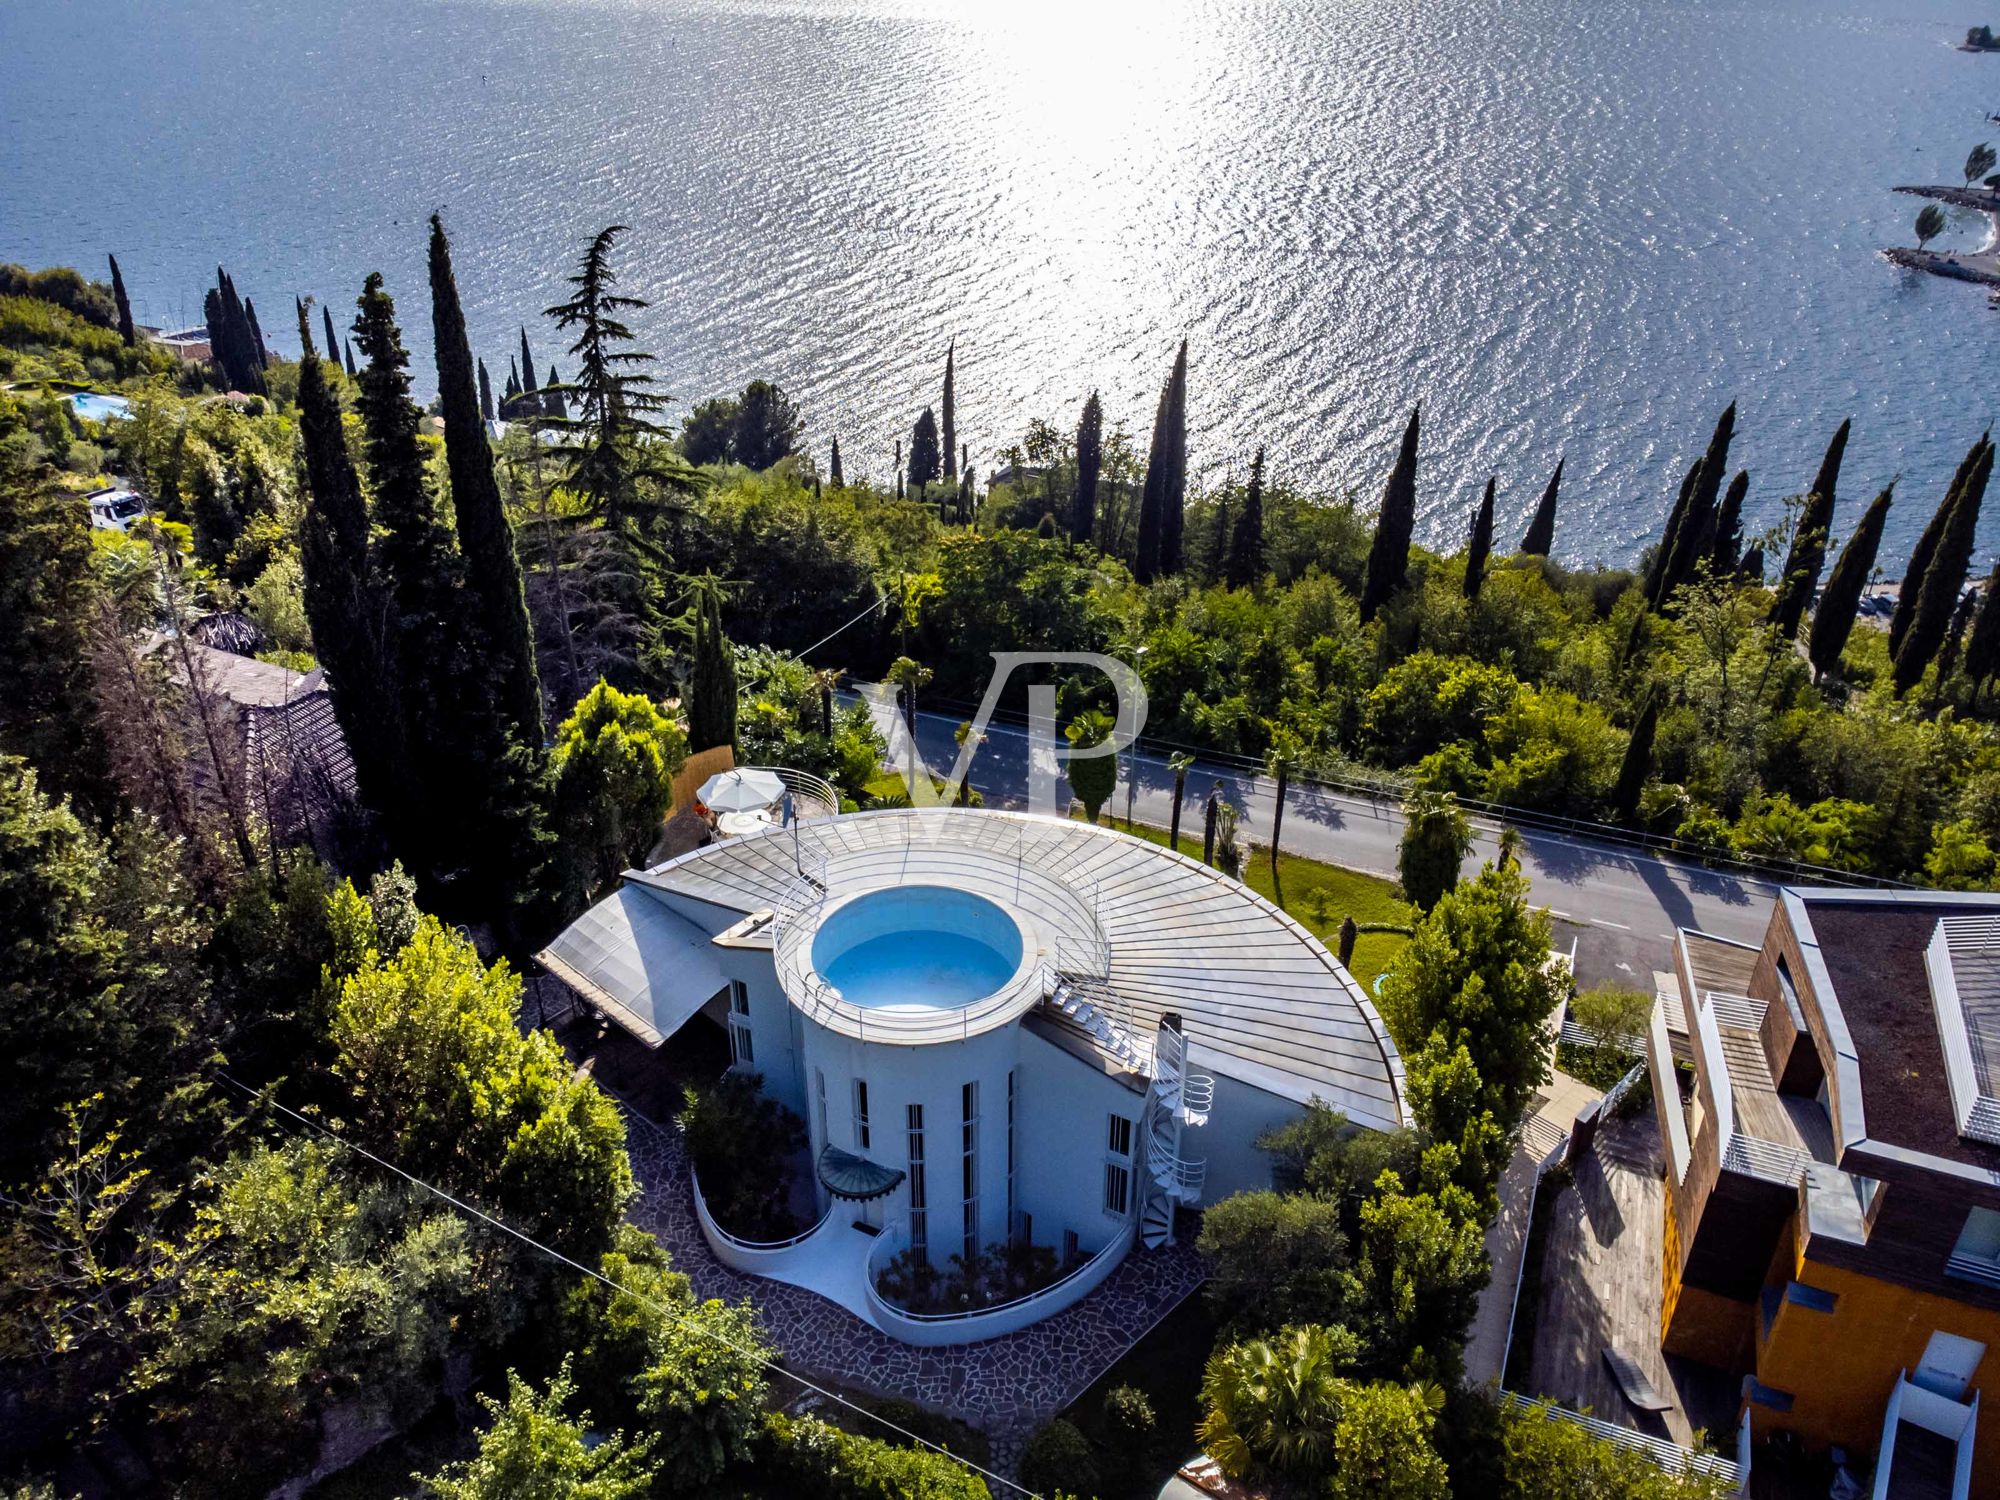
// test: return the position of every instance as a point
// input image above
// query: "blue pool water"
(917, 945)
(95, 408)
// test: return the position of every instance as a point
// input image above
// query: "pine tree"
(948, 428)
(343, 599)
(835, 476)
(1944, 578)
(1089, 465)
(1389, 556)
(711, 687)
(1481, 544)
(485, 394)
(1541, 538)
(484, 536)
(924, 451)
(1638, 762)
(1982, 649)
(1833, 619)
(553, 404)
(332, 339)
(1173, 496)
(125, 329)
(257, 344)
(1800, 577)
(1920, 555)
(1246, 540)
(1728, 548)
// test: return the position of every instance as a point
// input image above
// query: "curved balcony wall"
(757, 1257)
(935, 1330)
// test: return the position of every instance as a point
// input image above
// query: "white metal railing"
(804, 787)
(1554, 1155)
(1621, 1088)
(1669, 1456)
(1766, 1160)
(940, 850)
(713, 1231)
(1180, 1175)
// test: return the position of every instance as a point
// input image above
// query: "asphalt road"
(1622, 905)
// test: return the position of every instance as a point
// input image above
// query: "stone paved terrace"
(1003, 1386)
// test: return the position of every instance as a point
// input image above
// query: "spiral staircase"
(1177, 1101)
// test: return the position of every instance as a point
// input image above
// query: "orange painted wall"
(1841, 1366)
(1696, 1323)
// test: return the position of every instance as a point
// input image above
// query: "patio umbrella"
(741, 791)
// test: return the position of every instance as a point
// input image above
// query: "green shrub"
(1058, 1460)
(806, 1458)
(1129, 1423)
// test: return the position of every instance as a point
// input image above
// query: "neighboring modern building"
(1830, 1107)
(189, 345)
(999, 1029)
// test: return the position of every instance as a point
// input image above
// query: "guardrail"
(804, 786)
(1669, 1456)
(1391, 788)
(971, 1326)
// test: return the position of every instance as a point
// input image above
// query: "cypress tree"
(1146, 560)
(1695, 539)
(1541, 538)
(553, 404)
(484, 536)
(1246, 541)
(948, 428)
(1920, 555)
(834, 474)
(1729, 526)
(1481, 544)
(1389, 556)
(512, 394)
(527, 371)
(262, 353)
(1944, 578)
(924, 450)
(1656, 571)
(1954, 635)
(485, 394)
(347, 347)
(1751, 569)
(1173, 497)
(332, 339)
(1982, 650)
(899, 469)
(1638, 762)
(1808, 552)
(342, 597)
(1219, 543)
(711, 687)
(125, 329)
(1833, 620)
(1089, 465)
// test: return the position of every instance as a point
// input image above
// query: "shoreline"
(1981, 266)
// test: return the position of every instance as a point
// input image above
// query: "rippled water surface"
(1567, 226)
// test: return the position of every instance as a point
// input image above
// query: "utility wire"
(881, 603)
(507, 1229)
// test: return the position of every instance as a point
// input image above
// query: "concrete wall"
(1228, 1141)
(1063, 1130)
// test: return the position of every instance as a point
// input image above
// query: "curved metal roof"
(855, 1178)
(1261, 1000)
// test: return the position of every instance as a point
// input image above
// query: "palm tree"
(1980, 162)
(1179, 763)
(908, 675)
(826, 679)
(1930, 224)
(1273, 1404)
(1093, 778)
(1285, 751)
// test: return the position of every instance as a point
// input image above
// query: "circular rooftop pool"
(923, 946)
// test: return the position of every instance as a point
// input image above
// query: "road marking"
(1600, 922)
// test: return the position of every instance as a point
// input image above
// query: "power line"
(765, 1360)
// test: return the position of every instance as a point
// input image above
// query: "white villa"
(999, 1029)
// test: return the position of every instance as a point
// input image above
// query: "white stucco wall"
(1064, 1107)
(1242, 1112)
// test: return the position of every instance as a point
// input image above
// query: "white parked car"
(115, 509)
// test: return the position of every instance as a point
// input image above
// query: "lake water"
(1567, 226)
